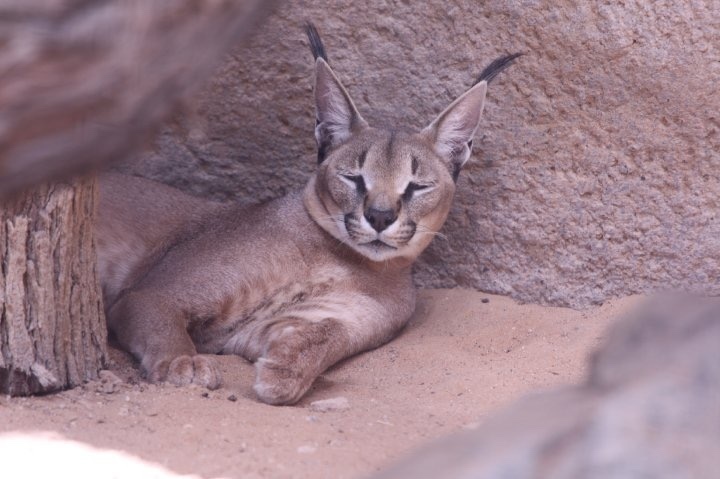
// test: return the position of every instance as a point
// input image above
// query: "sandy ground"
(463, 355)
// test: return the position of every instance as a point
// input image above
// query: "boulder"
(597, 167)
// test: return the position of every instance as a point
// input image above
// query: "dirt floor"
(463, 355)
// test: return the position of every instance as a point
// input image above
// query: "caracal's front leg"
(296, 351)
(154, 331)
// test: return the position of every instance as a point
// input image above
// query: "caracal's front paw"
(297, 353)
(279, 383)
(185, 370)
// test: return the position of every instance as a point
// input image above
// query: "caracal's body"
(299, 283)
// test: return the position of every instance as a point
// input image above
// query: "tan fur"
(294, 285)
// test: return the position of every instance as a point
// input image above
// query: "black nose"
(380, 219)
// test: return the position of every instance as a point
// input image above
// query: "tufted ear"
(336, 117)
(452, 132)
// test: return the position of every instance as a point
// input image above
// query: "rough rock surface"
(650, 408)
(86, 83)
(596, 171)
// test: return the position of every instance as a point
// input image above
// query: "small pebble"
(339, 403)
(485, 300)
(232, 398)
(109, 382)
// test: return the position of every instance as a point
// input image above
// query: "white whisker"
(335, 218)
(426, 231)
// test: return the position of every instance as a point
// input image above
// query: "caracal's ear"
(452, 132)
(336, 117)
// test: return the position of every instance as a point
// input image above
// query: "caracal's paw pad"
(185, 370)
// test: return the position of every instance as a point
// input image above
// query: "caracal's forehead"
(393, 156)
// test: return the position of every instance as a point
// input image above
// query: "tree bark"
(52, 326)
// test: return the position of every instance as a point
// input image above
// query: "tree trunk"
(52, 326)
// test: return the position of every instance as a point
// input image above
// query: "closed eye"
(357, 181)
(413, 188)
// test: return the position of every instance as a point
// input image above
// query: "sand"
(463, 355)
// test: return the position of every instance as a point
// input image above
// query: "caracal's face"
(386, 194)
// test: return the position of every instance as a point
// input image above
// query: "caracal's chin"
(379, 251)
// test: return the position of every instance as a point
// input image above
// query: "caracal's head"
(383, 192)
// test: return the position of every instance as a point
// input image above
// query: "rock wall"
(597, 167)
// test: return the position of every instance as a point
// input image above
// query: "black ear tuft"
(316, 44)
(496, 67)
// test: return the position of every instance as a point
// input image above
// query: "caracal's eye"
(357, 181)
(412, 188)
